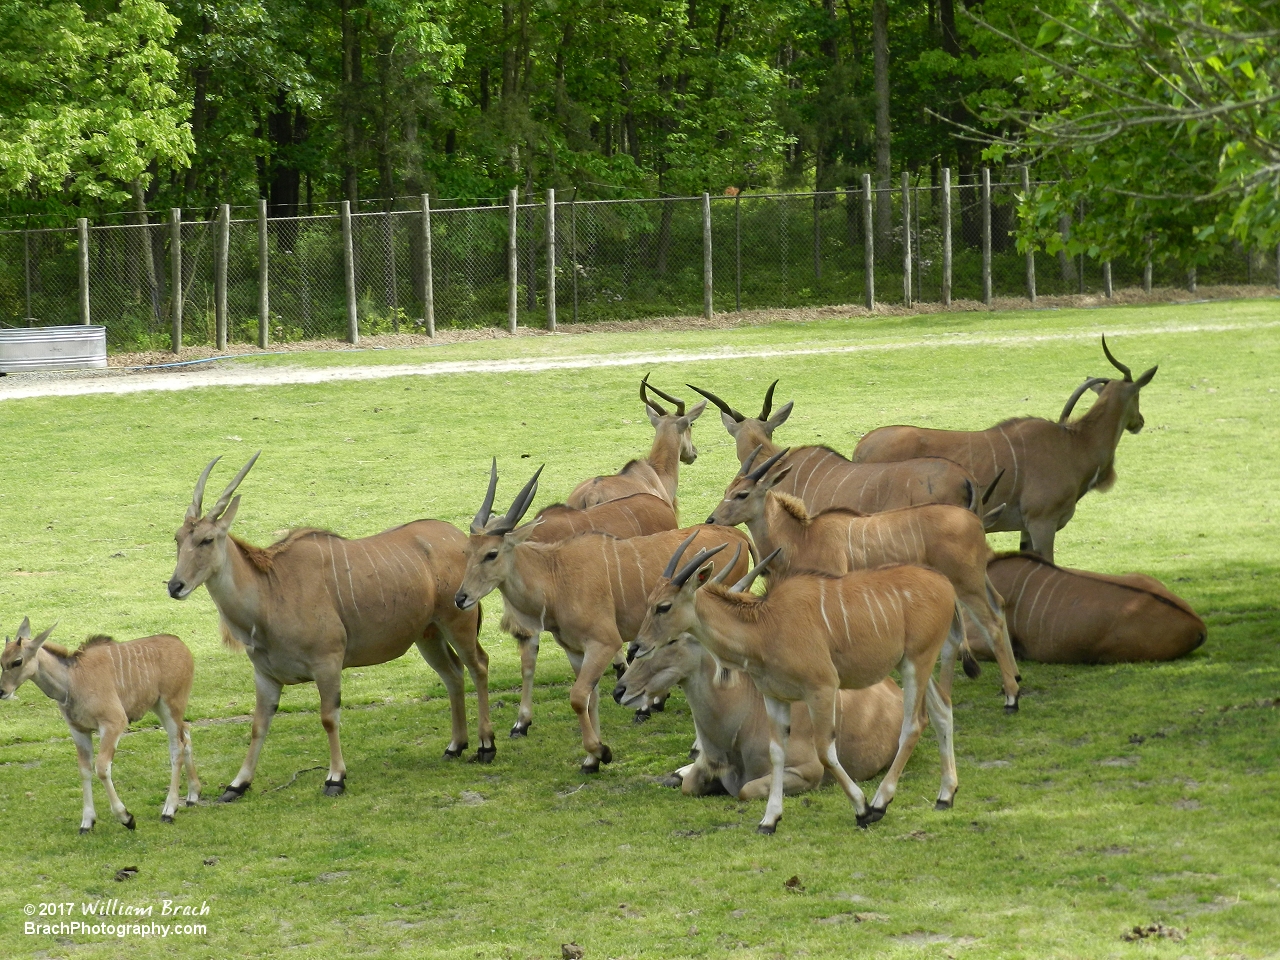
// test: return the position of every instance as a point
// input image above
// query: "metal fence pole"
(1191, 279)
(907, 287)
(706, 255)
(986, 235)
(1146, 268)
(946, 236)
(428, 281)
(264, 300)
(737, 252)
(175, 279)
(817, 239)
(918, 268)
(1278, 264)
(551, 258)
(82, 226)
(1106, 278)
(349, 274)
(222, 254)
(1031, 254)
(393, 286)
(513, 259)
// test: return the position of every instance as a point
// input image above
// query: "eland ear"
(696, 411)
(24, 630)
(779, 476)
(38, 642)
(704, 573)
(1143, 380)
(523, 532)
(779, 418)
(654, 417)
(1099, 386)
(730, 424)
(228, 515)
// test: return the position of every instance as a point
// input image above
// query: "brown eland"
(635, 516)
(102, 687)
(733, 726)
(658, 473)
(1059, 615)
(314, 603)
(588, 591)
(1040, 468)
(948, 539)
(812, 636)
(823, 479)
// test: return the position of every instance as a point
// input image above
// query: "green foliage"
(87, 97)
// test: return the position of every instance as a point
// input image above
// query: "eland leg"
(996, 626)
(1039, 537)
(912, 725)
(461, 633)
(84, 754)
(329, 685)
(175, 760)
(528, 661)
(780, 733)
(822, 714)
(193, 781)
(109, 733)
(585, 700)
(939, 707)
(264, 710)
(442, 659)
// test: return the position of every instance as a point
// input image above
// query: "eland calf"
(949, 539)
(732, 723)
(812, 636)
(588, 591)
(314, 603)
(102, 687)
(1059, 615)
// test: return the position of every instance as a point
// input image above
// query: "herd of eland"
(874, 565)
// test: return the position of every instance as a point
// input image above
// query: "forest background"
(1161, 115)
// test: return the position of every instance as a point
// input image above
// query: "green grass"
(1066, 832)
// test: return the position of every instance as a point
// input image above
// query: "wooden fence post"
(946, 236)
(551, 258)
(513, 259)
(1146, 268)
(349, 274)
(82, 226)
(1031, 254)
(706, 256)
(26, 273)
(986, 235)
(868, 242)
(220, 276)
(573, 248)
(175, 282)
(428, 280)
(1106, 278)
(907, 288)
(817, 238)
(264, 299)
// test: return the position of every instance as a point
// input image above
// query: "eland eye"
(740, 495)
(16, 664)
(206, 541)
(491, 555)
(663, 608)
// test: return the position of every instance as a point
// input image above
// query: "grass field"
(1118, 796)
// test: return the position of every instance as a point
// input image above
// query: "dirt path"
(230, 374)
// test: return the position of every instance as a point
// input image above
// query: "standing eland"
(314, 603)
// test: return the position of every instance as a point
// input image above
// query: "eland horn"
(724, 407)
(225, 500)
(1128, 374)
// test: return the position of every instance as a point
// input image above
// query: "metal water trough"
(31, 349)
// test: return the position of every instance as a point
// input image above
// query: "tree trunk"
(884, 170)
(352, 75)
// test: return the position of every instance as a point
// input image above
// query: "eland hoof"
(606, 755)
(590, 768)
(1012, 707)
(521, 729)
(335, 788)
(769, 829)
(166, 818)
(233, 793)
(130, 824)
(641, 716)
(485, 755)
(873, 815)
(658, 705)
(944, 804)
(675, 781)
(451, 754)
(84, 830)
(192, 803)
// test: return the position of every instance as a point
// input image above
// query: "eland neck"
(52, 676)
(664, 455)
(237, 588)
(732, 639)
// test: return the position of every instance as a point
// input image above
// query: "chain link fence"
(158, 282)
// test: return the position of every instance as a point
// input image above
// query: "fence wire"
(613, 260)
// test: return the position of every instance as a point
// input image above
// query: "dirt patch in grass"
(720, 321)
